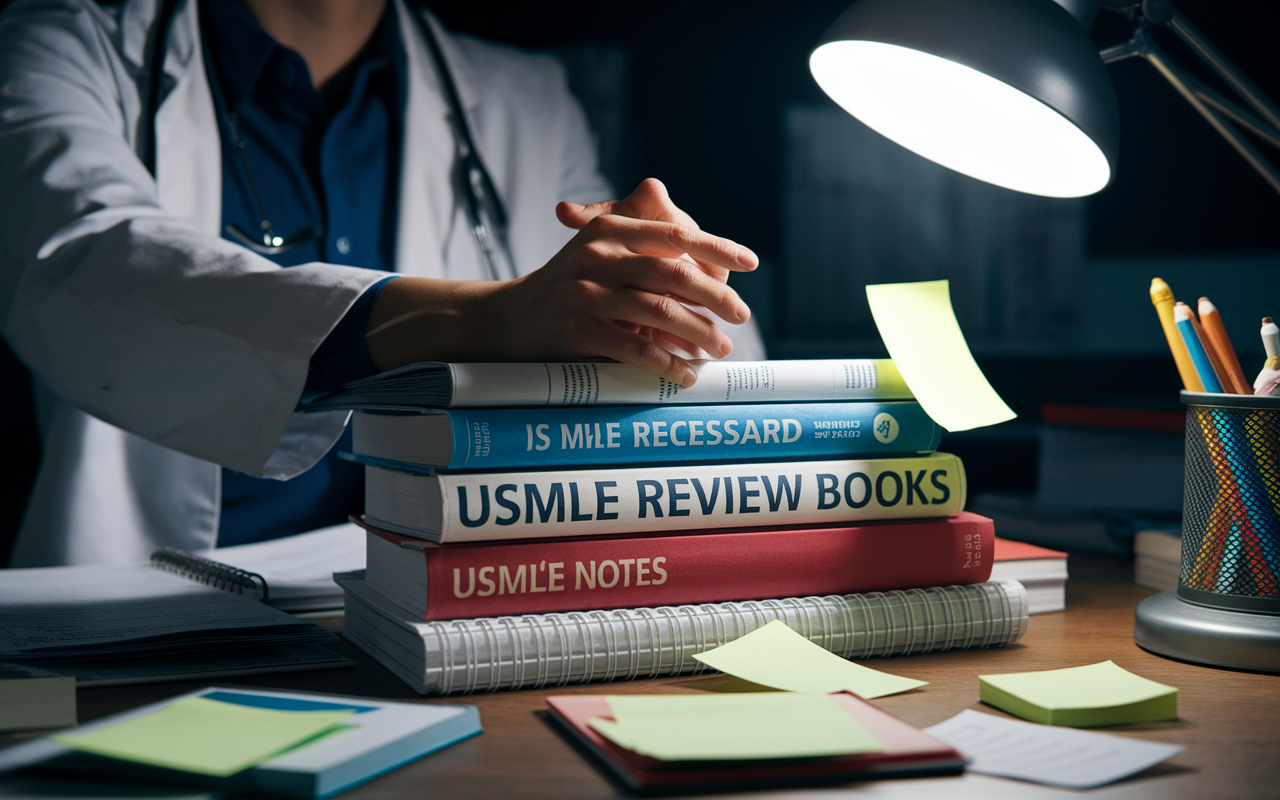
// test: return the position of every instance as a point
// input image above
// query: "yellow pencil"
(1162, 299)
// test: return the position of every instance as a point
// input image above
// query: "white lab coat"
(161, 351)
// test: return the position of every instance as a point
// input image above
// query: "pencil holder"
(1231, 503)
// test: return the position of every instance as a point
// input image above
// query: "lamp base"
(1168, 626)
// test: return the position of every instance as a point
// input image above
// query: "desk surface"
(1229, 721)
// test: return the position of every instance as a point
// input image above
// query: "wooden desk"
(1229, 721)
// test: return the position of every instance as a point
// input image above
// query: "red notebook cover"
(481, 579)
(908, 752)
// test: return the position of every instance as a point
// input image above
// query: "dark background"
(708, 85)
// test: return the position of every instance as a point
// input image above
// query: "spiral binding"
(211, 573)
(478, 655)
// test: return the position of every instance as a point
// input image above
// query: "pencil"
(1195, 349)
(1216, 338)
(1219, 369)
(1162, 299)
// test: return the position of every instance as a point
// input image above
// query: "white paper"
(1047, 754)
(302, 565)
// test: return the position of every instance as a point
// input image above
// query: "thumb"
(572, 215)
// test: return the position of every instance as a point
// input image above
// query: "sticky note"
(778, 657)
(734, 726)
(1043, 754)
(919, 329)
(204, 736)
(1081, 697)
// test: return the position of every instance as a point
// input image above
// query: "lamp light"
(1012, 92)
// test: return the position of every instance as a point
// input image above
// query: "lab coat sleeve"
(131, 314)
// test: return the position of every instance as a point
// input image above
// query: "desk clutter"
(522, 529)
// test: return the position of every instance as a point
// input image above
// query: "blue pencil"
(1195, 348)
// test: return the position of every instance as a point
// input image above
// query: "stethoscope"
(480, 198)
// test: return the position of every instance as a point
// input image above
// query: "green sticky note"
(919, 329)
(734, 726)
(1081, 697)
(204, 736)
(778, 657)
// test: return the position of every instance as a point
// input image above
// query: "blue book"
(378, 738)
(542, 438)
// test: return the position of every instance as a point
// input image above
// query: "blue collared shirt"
(328, 160)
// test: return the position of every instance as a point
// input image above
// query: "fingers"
(649, 201)
(666, 314)
(634, 349)
(681, 279)
(673, 240)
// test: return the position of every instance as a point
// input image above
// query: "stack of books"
(551, 523)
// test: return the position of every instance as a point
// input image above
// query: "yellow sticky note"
(778, 657)
(1081, 697)
(919, 329)
(734, 726)
(204, 736)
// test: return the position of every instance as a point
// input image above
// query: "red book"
(538, 576)
(908, 752)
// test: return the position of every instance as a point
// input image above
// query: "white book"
(440, 385)
(497, 653)
(471, 507)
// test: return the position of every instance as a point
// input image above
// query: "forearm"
(427, 319)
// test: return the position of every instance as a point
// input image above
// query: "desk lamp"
(1014, 93)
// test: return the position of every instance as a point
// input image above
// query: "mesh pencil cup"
(1226, 609)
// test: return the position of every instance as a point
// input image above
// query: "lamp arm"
(1210, 104)
(1225, 69)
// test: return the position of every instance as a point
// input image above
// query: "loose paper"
(919, 329)
(1081, 697)
(204, 736)
(734, 726)
(1044, 754)
(778, 657)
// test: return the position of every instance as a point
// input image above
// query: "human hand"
(619, 288)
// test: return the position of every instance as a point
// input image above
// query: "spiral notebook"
(497, 653)
(293, 574)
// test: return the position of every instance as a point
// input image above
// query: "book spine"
(526, 505)
(587, 384)
(548, 576)
(567, 437)
(491, 654)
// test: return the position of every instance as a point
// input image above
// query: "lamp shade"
(1011, 92)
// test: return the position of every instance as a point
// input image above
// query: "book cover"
(908, 751)
(458, 507)
(548, 575)
(540, 438)
(432, 384)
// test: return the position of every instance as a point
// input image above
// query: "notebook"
(497, 653)
(293, 574)
(107, 624)
(908, 752)
(379, 737)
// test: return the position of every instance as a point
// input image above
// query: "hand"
(620, 287)
(617, 290)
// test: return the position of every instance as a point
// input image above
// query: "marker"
(1162, 299)
(1268, 381)
(1270, 337)
(1215, 337)
(1182, 316)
